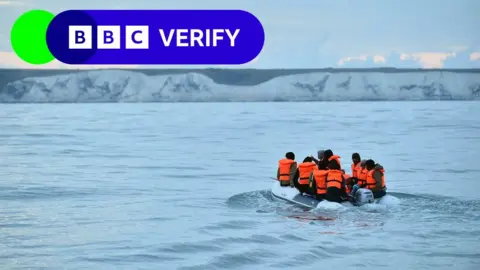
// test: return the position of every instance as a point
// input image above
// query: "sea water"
(185, 186)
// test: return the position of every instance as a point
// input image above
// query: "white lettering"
(207, 38)
(136, 37)
(198, 37)
(79, 37)
(216, 37)
(108, 37)
(167, 41)
(181, 37)
(232, 37)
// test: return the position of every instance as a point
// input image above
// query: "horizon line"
(241, 69)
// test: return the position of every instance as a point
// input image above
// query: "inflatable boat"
(290, 194)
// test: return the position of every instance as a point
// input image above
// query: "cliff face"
(210, 85)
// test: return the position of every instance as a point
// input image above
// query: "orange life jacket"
(337, 158)
(371, 183)
(347, 187)
(355, 169)
(335, 179)
(320, 177)
(304, 170)
(284, 166)
(362, 177)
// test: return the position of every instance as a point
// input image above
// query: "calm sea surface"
(186, 186)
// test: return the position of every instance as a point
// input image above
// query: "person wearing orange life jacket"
(326, 157)
(335, 182)
(287, 172)
(321, 165)
(348, 182)
(355, 164)
(323, 156)
(318, 183)
(329, 156)
(376, 179)
(362, 174)
(304, 171)
(355, 167)
(360, 181)
(332, 159)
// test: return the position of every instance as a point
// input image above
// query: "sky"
(316, 33)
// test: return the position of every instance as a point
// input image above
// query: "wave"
(135, 86)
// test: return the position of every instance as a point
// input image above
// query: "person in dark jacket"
(323, 156)
(326, 156)
(319, 159)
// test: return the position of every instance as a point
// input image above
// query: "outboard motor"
(363, 196)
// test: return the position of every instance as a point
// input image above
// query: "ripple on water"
(219, 244)
(44, 192)
(132, 258)
(233, 260)
(255, 199)
(292, 237)
(232, 225)
(186, 248)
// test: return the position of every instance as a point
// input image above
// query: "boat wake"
(396, 203)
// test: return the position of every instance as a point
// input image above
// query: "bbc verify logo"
(136, 37)
(145, 37)
(108, 37)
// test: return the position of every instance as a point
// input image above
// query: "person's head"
(333, 165)
(320, 154)
(290, 155)
(362, 163)
(308, 159)
(370, 164)
(353, 181)
(356, 158)
(327, 154)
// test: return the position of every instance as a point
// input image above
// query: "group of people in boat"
(325, 179)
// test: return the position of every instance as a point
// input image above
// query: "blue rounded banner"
(155, 37)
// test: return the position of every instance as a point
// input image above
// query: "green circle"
(29, 37)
